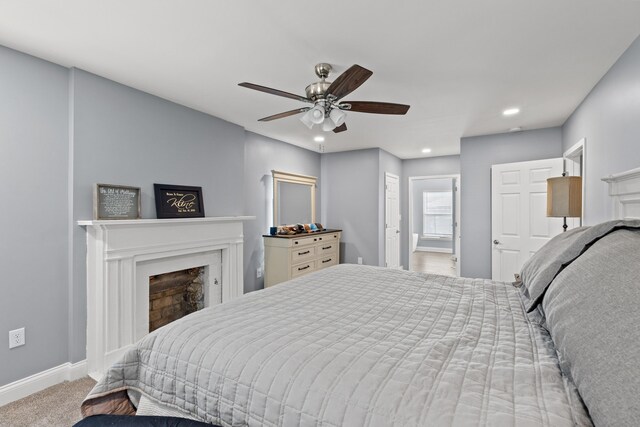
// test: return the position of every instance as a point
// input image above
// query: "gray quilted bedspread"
(357, 346)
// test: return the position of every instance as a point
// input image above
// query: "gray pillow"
(540, 270)
(592, 314)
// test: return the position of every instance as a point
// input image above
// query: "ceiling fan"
(328, 109)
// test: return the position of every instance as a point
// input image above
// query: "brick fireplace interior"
(174, 295)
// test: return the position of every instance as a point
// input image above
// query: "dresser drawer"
(305, 241)
(327, 261)
(303, 253)
(304, 268)
(327, 248)
(328, 238)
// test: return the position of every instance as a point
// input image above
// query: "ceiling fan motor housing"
(317, 90)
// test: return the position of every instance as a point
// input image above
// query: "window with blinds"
(437, 209)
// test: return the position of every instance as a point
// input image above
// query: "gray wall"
(350, 201)
(262, 155)
(428, 166)
(124, 136)
(419, 187)
(33, 242)
(609, 119)
(387, 163)
(64, 130)
(477, 154)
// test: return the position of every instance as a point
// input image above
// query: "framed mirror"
(294, 198)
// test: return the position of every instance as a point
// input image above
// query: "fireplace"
(175, 294)
(122, 256)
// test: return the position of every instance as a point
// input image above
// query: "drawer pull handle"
(303, 268)
(326, 260)
(296, 242)
(324, 248)
(303, 253)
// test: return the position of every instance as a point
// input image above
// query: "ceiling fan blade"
(274, 91)
(341, 128)
(285, 114)
(349, 81)
(377, 107)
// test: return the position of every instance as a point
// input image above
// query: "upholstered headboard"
(624, 189)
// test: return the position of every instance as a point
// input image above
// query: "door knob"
(397, 231)
(496, 242)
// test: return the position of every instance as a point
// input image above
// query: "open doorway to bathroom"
(434, 218)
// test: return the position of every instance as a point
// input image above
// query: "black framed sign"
(178, 201)
(116, 202)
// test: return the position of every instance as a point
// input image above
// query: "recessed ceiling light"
(319, 139)
(516, 129)
(426, 150)
(510, 111)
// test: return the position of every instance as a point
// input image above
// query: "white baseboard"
(440, 250)
(36, 382)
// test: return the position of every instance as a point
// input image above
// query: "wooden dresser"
(286, 257)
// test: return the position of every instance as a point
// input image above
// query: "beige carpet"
(57, 406)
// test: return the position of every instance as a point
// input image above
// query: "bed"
(355, 345)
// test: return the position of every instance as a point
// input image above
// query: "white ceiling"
(458, 63)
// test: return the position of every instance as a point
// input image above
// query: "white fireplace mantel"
(121, 254)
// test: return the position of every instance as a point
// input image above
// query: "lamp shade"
(306, 119)
(316, 114)
(564, 196)
(328, 125)
(337, 117)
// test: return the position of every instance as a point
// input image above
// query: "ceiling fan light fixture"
(316, 114)
(328, 125)
(337, 116)
(306, 119)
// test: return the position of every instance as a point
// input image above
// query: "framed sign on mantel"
(116, 202)
(178, 201)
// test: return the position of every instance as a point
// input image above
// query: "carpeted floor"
(57, 406)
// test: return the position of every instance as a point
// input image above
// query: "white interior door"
(519, 223)
(392, 220)
(456, 228)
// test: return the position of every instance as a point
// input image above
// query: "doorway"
(575, 165)
(434, 218)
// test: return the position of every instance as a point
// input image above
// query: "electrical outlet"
(259, 272)
(359, 260)
(16, 338)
